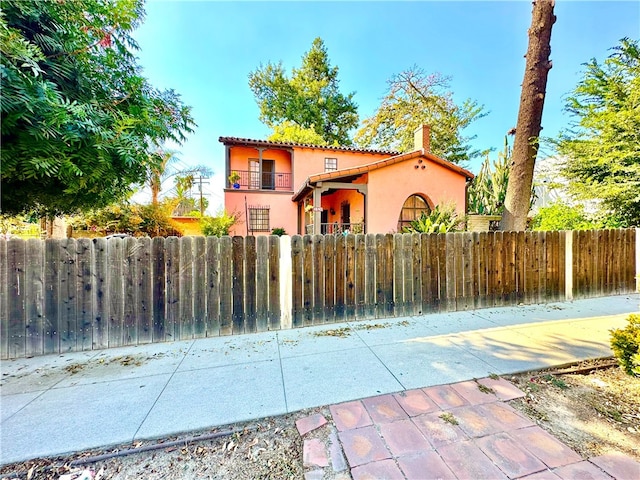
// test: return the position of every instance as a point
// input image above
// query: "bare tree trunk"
(525, 145)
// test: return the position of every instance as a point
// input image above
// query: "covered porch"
(333, 207)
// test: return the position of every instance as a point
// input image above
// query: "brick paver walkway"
(459, 431)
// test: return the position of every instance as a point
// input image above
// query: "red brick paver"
(475, 422)
(618, 466)
(307, 424)
(581, 471)
(338, 462)
(445, 397)
(509, 456)
(426, 465)
(314, 475)
(363, 445)
(314, 453)
(437, 431)
(504, 390)
(384, 408)
(350, 415)
(404, 438)
(505, 416)
(471, 392)
(382, 470)
(466, 460)
(415, 402)
(547, 448)
(544, 475)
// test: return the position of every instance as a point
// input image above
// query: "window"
(412, 209)
(330, 164)
(264, 181)
(259, 219)
(254, 174)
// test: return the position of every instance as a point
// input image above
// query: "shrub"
(625, 343)
(560, 216)
(279, 231)
(217, 226)
(439, 220)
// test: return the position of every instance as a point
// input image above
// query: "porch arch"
(412, 208)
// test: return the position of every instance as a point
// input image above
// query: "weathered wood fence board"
(72, 295)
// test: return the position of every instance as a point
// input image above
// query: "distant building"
(550, 186)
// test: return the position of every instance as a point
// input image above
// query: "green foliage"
(137, 220)
(603, 145)
(309, 101)
(78, 119)
(488, 189)
(560, 216)
(625, 343)
(289, 131)
(217, 226)
(23, 226)
(439, 220)
(414, 98)
(279, 231)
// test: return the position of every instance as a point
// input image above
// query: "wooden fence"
(71, 295)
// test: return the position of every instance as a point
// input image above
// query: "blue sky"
(206, 49)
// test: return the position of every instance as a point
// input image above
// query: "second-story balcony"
(261, 181)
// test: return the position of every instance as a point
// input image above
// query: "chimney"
(422, 138)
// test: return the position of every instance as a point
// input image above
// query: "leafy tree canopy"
(603, 144)
(78, 119)
(289, 131)
(414, 98)
(307, 102)
(561, 216)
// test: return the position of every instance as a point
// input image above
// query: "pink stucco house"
(317, 189)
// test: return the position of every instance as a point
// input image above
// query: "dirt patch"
(594, 412)
(267, 449)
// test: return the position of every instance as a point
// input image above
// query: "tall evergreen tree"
(603, 146)
(307, 105)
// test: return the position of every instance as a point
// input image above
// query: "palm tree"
(159, 161)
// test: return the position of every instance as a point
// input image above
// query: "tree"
(414, 98)
(78, 119)
(603, 147)
(525, 144)
(309, 101)
(289, 131)
(561, 216)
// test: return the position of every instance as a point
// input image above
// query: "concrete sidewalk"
(59, 404)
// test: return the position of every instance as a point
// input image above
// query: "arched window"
(412, 209)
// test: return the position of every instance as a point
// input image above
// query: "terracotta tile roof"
(348, 172)
(267, 143)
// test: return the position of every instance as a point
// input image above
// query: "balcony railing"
(336, 228)
(265, 181)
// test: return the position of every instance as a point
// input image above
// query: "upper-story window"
(330, 164)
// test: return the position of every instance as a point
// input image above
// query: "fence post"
(568, 265)
(637, 259)
(285, 282)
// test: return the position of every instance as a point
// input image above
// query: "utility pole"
(200, 183)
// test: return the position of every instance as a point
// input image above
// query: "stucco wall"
(309, 161)
(282, 211)
(391, 186)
